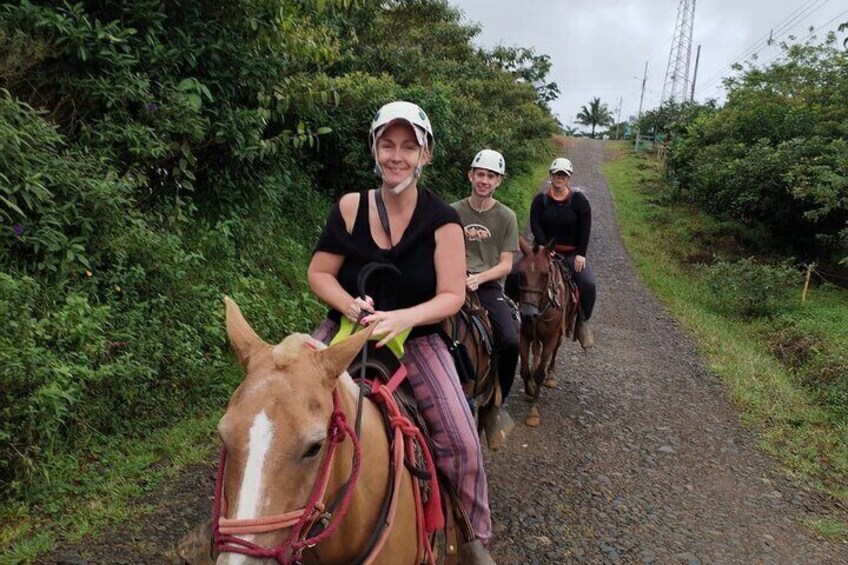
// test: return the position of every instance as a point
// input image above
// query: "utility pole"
(695, 75)
(618, 119)
(641, 99)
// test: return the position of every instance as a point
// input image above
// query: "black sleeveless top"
(413, 255)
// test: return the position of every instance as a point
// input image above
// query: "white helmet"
(561, 164)
(405, 112)
(491, 160)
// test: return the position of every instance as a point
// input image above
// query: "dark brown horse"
(543, 303)
(470, 336)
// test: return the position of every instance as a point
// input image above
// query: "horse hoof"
(533, 421)
(550, 382)
(498, 426)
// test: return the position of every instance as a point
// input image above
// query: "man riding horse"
(491, 241)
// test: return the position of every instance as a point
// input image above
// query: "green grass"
(93, 494)
(792, 398)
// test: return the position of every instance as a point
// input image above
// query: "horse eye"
(313, 450)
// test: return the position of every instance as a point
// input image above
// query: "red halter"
(300, 521)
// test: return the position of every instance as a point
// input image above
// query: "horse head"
(534, 272)
(276, 433)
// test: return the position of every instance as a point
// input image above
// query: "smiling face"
(398, 153)
(484, 182)
(559, 180)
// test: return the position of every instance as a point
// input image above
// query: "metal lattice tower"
(677, 83)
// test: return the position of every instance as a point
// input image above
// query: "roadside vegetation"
(158, 155)
(742, 208)
(785, 363)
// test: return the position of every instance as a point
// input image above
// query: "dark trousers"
(585, 280)
(505, 330)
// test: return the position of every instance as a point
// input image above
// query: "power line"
(782, 28)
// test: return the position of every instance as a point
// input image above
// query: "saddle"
(572, 293)
(475, 318)
(383, 370)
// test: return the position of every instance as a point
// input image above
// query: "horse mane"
(292, 348)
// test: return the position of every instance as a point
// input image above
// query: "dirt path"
(640, 457)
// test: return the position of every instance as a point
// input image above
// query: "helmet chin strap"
(402, 185)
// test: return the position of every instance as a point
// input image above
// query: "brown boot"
(197, 547)
(585, 335)
(475, 553)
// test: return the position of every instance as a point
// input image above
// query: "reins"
(291, 550)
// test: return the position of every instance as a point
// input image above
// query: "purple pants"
(453, 437)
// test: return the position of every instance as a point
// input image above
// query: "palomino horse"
(295, 483)
(470, 340)
(543, 303)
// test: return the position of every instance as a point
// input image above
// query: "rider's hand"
(473, 282)
(579, 263)
(359, 306)
(389, 324)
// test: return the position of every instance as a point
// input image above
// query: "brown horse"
(543, 303)
(470, 340)
(289, 452)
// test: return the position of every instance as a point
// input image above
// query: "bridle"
(300, 521)
(549, 292)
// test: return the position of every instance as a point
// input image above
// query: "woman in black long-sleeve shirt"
(564, 215)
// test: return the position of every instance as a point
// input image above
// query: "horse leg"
(550, 377)
(524, 356)
(533, 418)
(498, 424)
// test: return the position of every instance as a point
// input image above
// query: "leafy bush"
(749, 289)
(774, 158)
(155, 156)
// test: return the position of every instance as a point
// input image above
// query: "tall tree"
(597, 114)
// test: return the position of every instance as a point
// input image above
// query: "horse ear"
(335, 360)
(242, 337)
(524, 247)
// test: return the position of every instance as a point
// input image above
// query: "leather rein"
(323, 519)
(549, 293)
(301, 520)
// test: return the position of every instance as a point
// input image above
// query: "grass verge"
(785, 397)
(104, 489)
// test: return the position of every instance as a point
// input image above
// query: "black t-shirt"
(413, 255)
(568, 222)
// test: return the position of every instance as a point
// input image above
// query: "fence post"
(810, 268)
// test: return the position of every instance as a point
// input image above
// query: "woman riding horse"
(411, 228)
(563, 216)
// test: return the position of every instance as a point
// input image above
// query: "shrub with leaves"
(750, 289)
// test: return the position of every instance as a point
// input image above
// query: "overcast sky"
(599, 47)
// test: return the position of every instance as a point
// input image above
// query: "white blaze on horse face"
(261, 434)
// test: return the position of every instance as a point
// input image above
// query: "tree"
(597, 114)
(526, 66)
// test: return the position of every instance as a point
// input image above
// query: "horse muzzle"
(529, 312)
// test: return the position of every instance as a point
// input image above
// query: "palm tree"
(596, 114)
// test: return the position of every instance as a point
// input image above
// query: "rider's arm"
(584, 213)
(322, 273)
(536, 220)
(324, 267)
(499, 271)
(450, 278)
